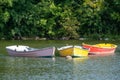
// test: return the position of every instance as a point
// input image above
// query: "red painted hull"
(93, 50)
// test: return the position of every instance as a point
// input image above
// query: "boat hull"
(73, 51)
(36, 53)
(100, 49)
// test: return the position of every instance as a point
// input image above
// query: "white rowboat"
(26, 51)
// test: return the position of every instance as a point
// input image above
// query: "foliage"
(55, 19)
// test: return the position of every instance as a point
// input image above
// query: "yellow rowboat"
(73, 51)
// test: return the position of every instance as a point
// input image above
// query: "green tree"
(4, 17)
(56, 19)
(67, 22)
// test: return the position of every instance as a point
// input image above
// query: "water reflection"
(98, 68)
(60, 68)
(80, 60)
(20, 68)
(77, 64)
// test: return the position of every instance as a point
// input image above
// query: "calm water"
(58, 68)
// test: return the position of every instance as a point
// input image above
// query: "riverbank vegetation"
(59, 19)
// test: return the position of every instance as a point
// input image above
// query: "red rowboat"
(101, 49)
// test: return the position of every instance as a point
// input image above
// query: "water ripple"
(92, 68)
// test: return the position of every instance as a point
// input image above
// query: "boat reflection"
(79, 60)
(79, 65)
(16, 67)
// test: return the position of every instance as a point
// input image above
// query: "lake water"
(60, 68)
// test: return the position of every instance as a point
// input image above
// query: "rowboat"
(72, 51)
(26, 51)
(101, 49)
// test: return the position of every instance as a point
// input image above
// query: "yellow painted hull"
(103, 45)
(73, 51)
